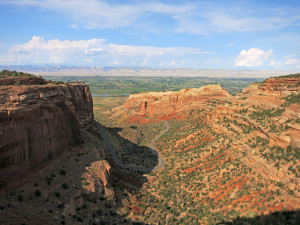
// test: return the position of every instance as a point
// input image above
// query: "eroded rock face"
(260, 128)
(95, 185)
(38, 123)
(96, 181)
(154, 104)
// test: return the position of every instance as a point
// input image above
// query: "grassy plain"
(128, 85)
(102, 106)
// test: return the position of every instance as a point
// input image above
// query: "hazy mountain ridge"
(63, 70)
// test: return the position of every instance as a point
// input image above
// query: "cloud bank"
(95, 52)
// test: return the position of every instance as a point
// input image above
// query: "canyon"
(222, 158)
(237, 155)
(49, 149)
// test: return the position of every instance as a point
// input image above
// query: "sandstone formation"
(267, 95)
(96, 181)
(170, 104)
(38, 123)
(241, 151)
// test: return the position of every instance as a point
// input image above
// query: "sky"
(256, 34)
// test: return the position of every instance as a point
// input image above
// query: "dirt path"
(161, 161)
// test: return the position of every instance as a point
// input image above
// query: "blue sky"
(212, 34)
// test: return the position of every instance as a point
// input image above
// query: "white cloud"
(291, 61)
(93, 51)
(207, 18)
(290, 56)
(103, 14)
(287, 63)
(228, 22)
(252, 57)
(198, 18)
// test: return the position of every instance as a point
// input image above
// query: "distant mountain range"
(63, 70)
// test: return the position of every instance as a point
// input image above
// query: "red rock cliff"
(38, 123)
(155, 104)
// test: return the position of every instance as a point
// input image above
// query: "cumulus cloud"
(92, 52)
(252, 57)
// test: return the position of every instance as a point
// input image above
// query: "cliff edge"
(165, 105)
(39, 121)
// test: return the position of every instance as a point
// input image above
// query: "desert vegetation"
(225, 161)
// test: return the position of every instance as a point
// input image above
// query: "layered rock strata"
(155, 104)
(38, 123)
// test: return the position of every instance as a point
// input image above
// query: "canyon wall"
(243, 149)
(38, 123)
(171, 103)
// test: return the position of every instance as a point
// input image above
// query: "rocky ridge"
(169, 104)
(248, 145)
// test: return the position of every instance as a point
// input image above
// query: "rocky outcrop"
(275, 88)
(155, 104)
(95, 185)
(280, 84)
(32, 80)
(38, 123)
(96, 181)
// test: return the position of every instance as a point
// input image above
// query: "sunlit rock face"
(170, 104)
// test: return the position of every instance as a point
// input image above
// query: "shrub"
(60, 206)
(62, 172)
(8, 73)
(18, 83)
(37, 193)
(99, 212)
(56, 194)
(20, 198)
(48, 180)
(293, 99)
(64, 186)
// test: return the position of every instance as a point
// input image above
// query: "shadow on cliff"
(68, 184)
(126, 182)
(275, 218)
